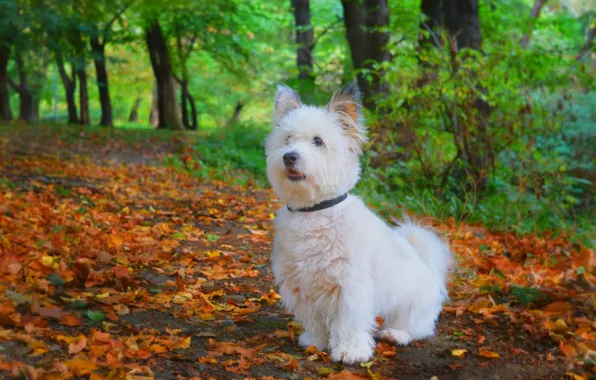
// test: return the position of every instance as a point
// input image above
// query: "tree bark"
(236, 116)
(5, 47)
(70, 86)
(429, 37)
(463, 27)
(535, 14)
(167, 106)
(83, 96)
(590, 36)
(26, 106)
(134, 111)
(368, 45)
(193, 113)
(183, 101)
(430, 28)
(99, 59)
(305, 44)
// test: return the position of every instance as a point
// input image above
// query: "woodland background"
(481, 110)
(136, 218)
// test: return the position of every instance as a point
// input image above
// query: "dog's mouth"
(294, 175)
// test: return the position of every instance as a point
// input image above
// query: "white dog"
(338, 265)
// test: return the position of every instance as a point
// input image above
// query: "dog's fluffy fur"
(339, 268)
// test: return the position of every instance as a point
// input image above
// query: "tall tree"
(70, 86)
(167, 106)
(588, 40)
(463, 27)
(366, 23)
(8, 31)
(429, 38)
(26, 107)
(5, 48)
(101, 35)
(185, 42)
(304, 47)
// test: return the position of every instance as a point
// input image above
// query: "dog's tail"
(431, 248)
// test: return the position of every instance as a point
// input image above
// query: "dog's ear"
(346, 103)
(286, 100)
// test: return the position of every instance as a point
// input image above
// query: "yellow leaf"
(282, 333)
(213, 253)
(115, 241)
(460, 352)
(489, 354)
(47, 261)
(575, 376)
(80, 366)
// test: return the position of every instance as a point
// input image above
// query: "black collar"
(322, 205)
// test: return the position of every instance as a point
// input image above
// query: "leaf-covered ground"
(115, 266)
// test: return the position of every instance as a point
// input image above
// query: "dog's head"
(313, 153)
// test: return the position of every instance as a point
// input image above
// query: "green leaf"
(62, 191)
(211, 237)
(96, 316)
(581, 270)
(324, 371)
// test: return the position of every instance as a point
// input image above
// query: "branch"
(325, 31)
(535, 14)
(589, 39)
(118, 14)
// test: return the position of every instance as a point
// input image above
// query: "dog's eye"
(288, 140)
(317, 141)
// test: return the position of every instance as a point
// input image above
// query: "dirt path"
(113, 266)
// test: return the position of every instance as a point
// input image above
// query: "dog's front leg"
(350, 326)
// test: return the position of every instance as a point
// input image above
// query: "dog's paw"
(307, 339)
(395, 335)
(352, 353)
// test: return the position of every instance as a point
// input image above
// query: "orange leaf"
(121, 272)
(78, 345)
(489, 354)
(292, 365)
(80, 367)
(180, 284)
(115, 241)
(568, 350)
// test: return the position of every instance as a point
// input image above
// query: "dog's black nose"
(290, 158)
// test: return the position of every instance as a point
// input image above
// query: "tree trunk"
(430, 28)
(193, 113)
(368, 45)
(429, 37)
(154, 113)
(304, 48)
(167, 105)
(99, 59)
(535, 14)
(463, 26)
(134, 111)
(70, 86)
(590, 36)
(5, 113)
(83, 95)
(236, 116)
(26, 112)
(183, 101)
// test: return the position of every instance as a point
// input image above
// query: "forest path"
(114, 265)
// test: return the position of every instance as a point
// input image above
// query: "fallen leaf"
(489, 354)
(460, 352)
